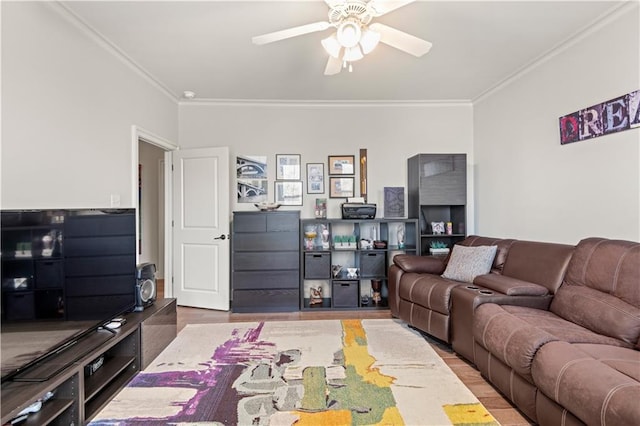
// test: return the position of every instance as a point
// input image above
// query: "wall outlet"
(115, 200)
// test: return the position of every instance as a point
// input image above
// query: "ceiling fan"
(355, 34)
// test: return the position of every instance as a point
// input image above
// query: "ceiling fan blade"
(290, 32)
(401, 40)
(385, 6)
(333, 66)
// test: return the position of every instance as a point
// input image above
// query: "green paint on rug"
(314, 380)
(366, 401)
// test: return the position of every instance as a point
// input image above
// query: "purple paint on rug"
(213, 384)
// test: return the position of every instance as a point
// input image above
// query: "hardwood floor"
(499, 407)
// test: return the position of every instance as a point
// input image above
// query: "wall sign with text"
(615, 115)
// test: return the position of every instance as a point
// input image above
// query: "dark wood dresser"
(265, 261)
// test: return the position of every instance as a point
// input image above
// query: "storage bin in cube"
(49, 274)
(19, 305)
(372, 264)
(317, 266)
(345, 294)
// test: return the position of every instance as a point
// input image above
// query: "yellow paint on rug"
(356, 353)
(391, 416)
(324, 418)
(469, 414)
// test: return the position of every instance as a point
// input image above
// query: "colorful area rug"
(349, 372)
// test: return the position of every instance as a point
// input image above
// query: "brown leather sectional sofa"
(555, 328)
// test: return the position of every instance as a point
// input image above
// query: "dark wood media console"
(78, 397)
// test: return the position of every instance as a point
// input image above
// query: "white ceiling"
(205, 46)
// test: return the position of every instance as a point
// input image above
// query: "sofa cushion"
(610, 266)
(601, 290)
(514, 333)
(556, 326)
(537, 262)
(598, 383)
(510, 286)
(466, 263)
(598, 311)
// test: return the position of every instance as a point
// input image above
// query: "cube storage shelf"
(326, 243)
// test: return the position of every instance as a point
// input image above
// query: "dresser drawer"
(251, 261)
(266, 241)
(249, 280)
(265, 300)
(254, 222)
(284, 221)
(266, 222)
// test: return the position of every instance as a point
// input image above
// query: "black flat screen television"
(65, 273)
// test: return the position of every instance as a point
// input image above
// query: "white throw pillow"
(466, 263)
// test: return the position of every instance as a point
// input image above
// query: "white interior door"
(201, 228)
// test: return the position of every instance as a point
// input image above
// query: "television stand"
(78, 396)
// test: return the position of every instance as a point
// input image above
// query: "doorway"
(152, 195)
(151, 207)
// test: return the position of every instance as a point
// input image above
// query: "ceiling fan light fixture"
(352, 54)
(349, 33)
(369, 41)
(332, 46)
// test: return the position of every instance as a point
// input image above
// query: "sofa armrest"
(510, 286)
(420, 264)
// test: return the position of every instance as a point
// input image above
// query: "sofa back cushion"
(466, 263)
(539, 263)
(601, 290)
(501, 253)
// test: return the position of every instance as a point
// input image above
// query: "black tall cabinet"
(437, 192)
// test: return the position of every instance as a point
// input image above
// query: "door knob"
(221, 237)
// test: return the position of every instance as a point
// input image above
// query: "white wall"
(390, 133)
(67, 110)
(528, 186)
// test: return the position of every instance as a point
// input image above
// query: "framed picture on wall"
(288, 166)
(288, 193)
(341, 187)
(315, 178)
(341, 164)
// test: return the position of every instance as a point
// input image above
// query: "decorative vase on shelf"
(400, 234)
(423, 223)
(376, 287)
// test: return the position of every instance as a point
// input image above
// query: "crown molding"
(325, 103)
(605, 19)
(111, 48)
